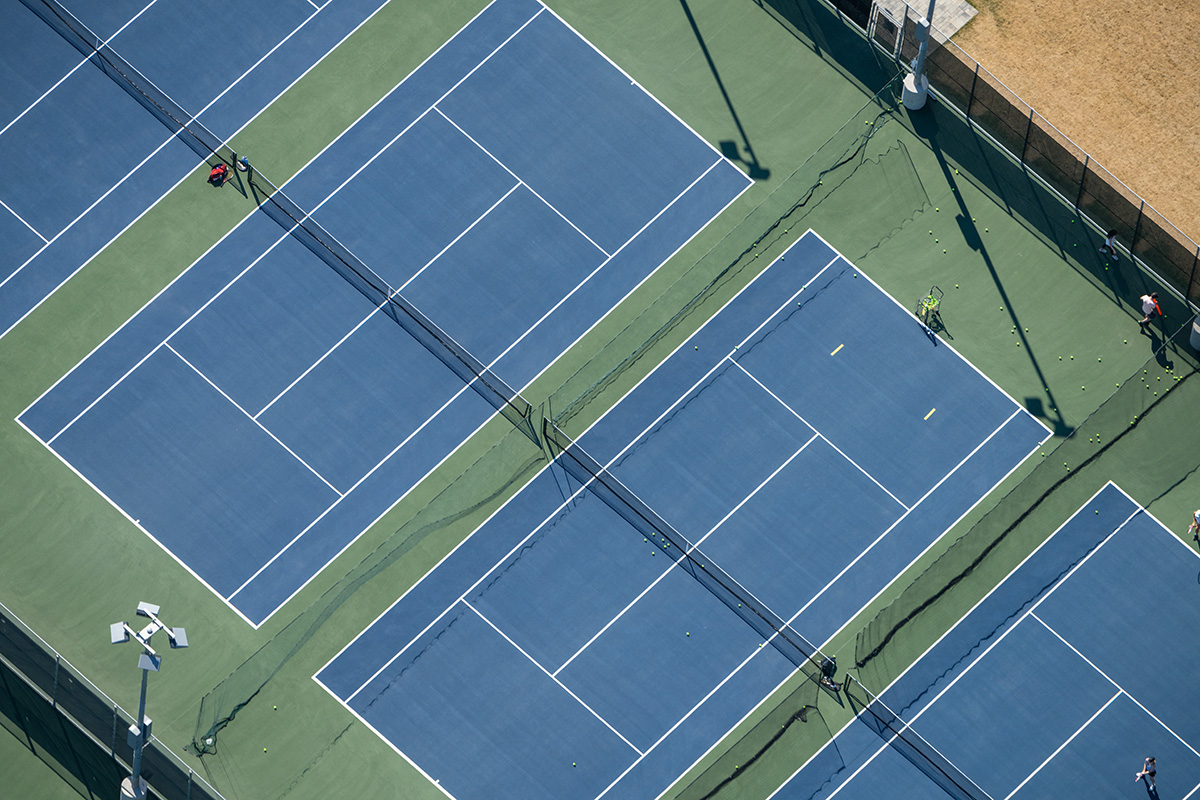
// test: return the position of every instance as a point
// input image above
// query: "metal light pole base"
(129, 793)
(1195, 337)
(916, 92)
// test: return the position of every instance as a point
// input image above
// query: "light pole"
(916, 84)
(133, 787)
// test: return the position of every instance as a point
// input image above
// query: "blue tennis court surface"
(95, 159)
(1060, 682)
(560, 653)
(260, 413)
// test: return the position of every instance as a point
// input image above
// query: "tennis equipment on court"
(929, 308)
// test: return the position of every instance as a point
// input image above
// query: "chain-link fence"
(74, 727)
(1045, 151)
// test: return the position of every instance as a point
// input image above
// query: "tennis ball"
(697, 347)
(973, 219)
(956, 286)
(935, 241)
(274, 708)
(943, 250)
(572, 763)
(931, 233)
(264, 749)
(1082, 387)
(1072, 358)
(1027, 330)
(1099, 359)
(1126, 341)
(1001, 308)
(1097, 512)
(985, 230)
(937, 209)
(1060, 358)
(689, 633)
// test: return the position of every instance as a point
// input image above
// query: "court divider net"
(1142, 437)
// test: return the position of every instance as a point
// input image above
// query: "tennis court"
(261, 413)
(1052, 686)
(93, 159)
(591, 638)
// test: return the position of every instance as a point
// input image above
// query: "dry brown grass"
(1122, 79)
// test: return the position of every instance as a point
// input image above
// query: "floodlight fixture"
(134, 787)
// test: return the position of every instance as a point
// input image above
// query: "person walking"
(1150, 308)
(1194, 528)
(1110, 244)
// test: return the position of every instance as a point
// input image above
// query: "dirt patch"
(1117, 77)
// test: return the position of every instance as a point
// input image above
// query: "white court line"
(135, 522)
(186, 176)
(1012, 627)
(433, 781)
(25, 223)
(647, 277)
(1063, 746)
(103, 43)
(264, 428)
(690, 550)
(365, 630)
(357, 483)
(797, 415)
(143, 162)
(318, 362)
(533, 191)
(941, 341)
(152, 350)
(699, 704)
(1106, 677)
(561, 685)
(960, 621)
(455, 240)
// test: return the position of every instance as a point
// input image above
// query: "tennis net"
(901, 736)
(602, 483)
(299, 223)
(190, 131)
(278, 206)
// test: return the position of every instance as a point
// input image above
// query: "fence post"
(1192, 277)
(54, 692)
(971, 97)
(1028, 130)
(112, 746)
(1137, 228)
(1082, 180)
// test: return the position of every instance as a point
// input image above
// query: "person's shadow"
(1151, 790)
